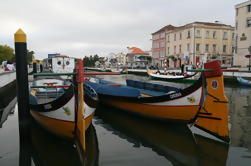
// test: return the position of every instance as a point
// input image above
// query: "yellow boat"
(54, 108)
(203, 104)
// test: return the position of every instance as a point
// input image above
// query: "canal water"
(117, 138)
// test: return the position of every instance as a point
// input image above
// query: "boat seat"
(113, 90)
(151, 87)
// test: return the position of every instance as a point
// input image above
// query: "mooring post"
(22, 77)
(79, 119)
(34, 66)
(22, 96)
(41, 66)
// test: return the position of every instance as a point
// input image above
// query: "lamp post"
(249, 50)
(249, 57)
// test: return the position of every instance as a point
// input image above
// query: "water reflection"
(240, 116)
(155, 143)
(7, 101)
(175, 142)
(48, 150)
(38, 147)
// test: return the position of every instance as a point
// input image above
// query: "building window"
(175, 37)
(236, 43)
(162, 35)
(162, 44)
(224, 35)
(207, 34)
(155, 45)
(168, 38)
(249, 22)
(168, 50)
(249, 8)
(180, 48)
(232, 36)
(174, 49)
(197, 33)
(162, 53)
(197, 47)
(237, 10)
(188, 47)
(207, 48)
(236, 25)
(214, 47)
(232, 49)
(243, 37)
(214, 34)
(156, 37)
(188, 34)
(224, 48)
(180, 36)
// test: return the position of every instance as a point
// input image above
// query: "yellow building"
(199, 42)
(243, 33)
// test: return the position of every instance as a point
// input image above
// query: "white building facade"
(242, 33)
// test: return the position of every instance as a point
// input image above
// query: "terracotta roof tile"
(136, 50)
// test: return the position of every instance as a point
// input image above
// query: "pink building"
(159, 45)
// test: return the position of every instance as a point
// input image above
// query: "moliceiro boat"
(243, 81)
(53, 103)
(203, 104)
(184, 77)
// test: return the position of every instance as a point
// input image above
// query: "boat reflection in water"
(175, 142)
(46, 149)
(7, 101)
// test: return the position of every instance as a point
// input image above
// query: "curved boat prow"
(213, 117)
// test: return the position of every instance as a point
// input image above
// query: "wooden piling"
(22, 77)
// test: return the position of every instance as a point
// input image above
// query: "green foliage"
(30, 56)
(89, 61)
(6, 53)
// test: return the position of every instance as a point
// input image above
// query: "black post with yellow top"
(34, 65)
(22, 77)
(22, 97)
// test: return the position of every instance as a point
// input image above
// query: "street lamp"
(249, 57)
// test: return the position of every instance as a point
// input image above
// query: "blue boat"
(203, 103)
(243, 81)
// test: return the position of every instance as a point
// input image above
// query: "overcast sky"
(84, 27)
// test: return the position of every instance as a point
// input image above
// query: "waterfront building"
(121, 59)
(159, 45)
(137, 58)
(196, 43)
(243, 33)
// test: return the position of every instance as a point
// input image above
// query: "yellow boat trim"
(181, 113)
(57, 126)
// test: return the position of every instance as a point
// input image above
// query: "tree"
(30, 56)
(6, 53)
(90, 61)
